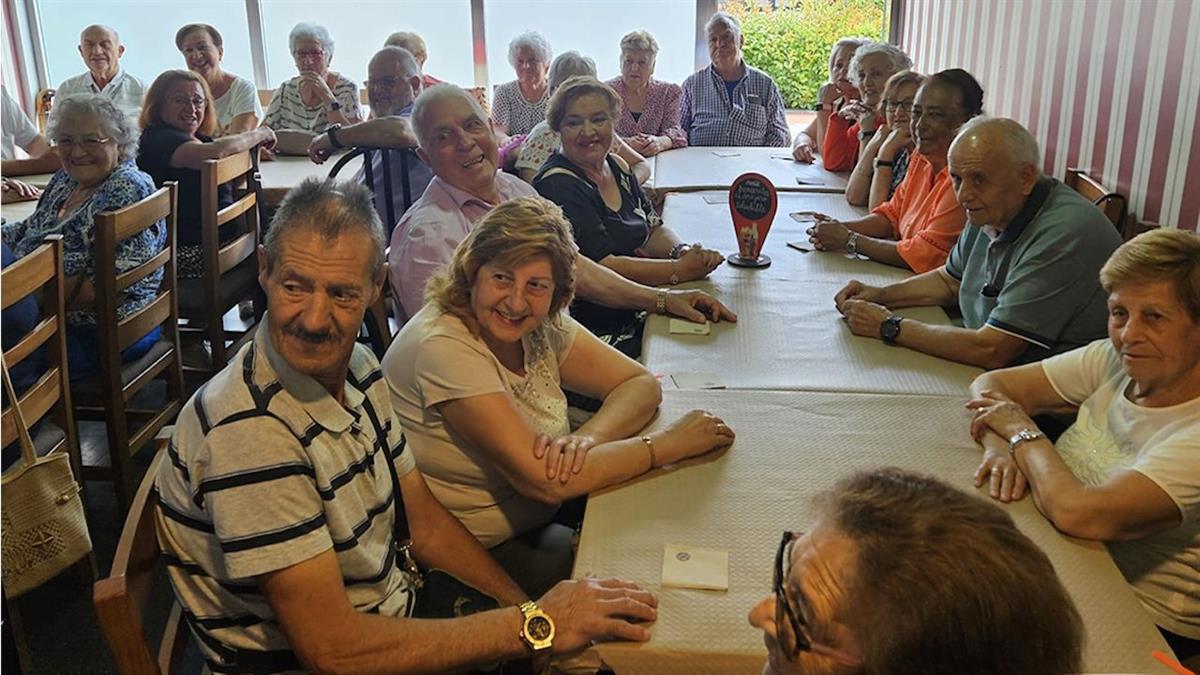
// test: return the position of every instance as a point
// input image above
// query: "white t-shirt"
(1113, 434)
(18, 130)
(434, 359)
(242, 97)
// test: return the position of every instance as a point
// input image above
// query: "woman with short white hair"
(649, 119)
(521, 103)
(855, 123)
(317, 98)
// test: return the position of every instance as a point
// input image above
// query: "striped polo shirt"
(267, 470)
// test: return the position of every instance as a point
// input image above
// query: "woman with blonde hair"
(477, 379)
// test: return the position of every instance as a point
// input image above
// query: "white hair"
(568, 65)
(534, 42)
(312, 31)
(118, 127)
(842, 44)
(1019, 145)
(409, 67)
(722, 17)
(898, 59)
(423, 127)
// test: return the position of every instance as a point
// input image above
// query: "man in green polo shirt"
(1025, 271)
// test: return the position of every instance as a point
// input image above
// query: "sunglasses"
(792, 623)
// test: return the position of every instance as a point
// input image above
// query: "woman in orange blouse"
(855, 123)
(919, 225)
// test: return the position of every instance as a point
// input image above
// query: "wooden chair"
(48, 399)
(110, 396)
(1114, 204)
(121, 598)
(230, 267)
(42, 104)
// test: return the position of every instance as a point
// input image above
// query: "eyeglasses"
(893, 106)
(797, 639)
(195, 102)
(382, 82)
(304, 54)
(89, 144)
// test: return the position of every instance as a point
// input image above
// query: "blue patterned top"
(124, 186)
(751, 114)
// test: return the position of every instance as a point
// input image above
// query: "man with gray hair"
(1024, 272)
(458, 144)
(294, 521)
(101, 49)
(729, 102)
(394, 81)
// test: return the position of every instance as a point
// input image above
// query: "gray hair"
(898, 59)
(118, 126)
(312, 31)
(639, 41)
(1019, 145)
(568, 65)
(331, 208)
(409, 66)
(842, 44)
(422, 126)
(107, 29)
(534, 42)
(725, 18)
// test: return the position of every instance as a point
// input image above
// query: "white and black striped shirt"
(287, 109)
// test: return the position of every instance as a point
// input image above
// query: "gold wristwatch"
(537, 631)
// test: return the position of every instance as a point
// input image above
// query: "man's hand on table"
(856, 290)
(697, 307)
(590, 609)
(828, 234)
(320, 149)
(864, 317)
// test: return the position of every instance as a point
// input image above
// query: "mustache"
(309, 336)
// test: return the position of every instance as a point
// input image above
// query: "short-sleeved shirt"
(436, 359)
(125, 91)
(265, 471)
(599, 231)
(925, 215)
(287, 109)
(241, 98)
(426, 236)
(1038, 279)
(752, 114)
(539, 144)
(659, 115)
(124, 186)
(839, 148)
(1113, 434)
(15, 128)
(518, 115)
(158, 144)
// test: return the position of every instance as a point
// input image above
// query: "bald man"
(1024, 273)
(101, 49)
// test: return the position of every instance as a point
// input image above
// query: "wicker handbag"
(44, 529)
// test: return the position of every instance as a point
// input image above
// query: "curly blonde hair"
(509, 235)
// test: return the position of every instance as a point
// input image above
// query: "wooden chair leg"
(118, 456)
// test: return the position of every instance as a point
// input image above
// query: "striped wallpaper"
(1111, 86)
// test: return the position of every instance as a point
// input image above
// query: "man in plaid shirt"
(729, 102)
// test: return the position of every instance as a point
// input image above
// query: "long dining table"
(699, 168)
(811, 404)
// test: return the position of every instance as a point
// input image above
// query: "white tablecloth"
(698, 168)
(791, 446)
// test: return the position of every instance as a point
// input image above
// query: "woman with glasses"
(874, 182)
(96, 144)
(856, 122)
(314, 100)
(903, 574)
(918, 226)
(235, 98)
(178, 119)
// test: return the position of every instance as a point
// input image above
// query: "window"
(147, 30)
(359, 28)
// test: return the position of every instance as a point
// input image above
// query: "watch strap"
(883, 162)
(1023, 436)
(852, 244)
(333, 139)
(660, 302)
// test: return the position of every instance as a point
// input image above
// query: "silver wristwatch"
(1023, 436)
(852, 244)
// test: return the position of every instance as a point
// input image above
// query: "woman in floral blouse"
(649, 119)
(96, 143)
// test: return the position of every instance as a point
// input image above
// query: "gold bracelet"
(660, 302)
(650, 446)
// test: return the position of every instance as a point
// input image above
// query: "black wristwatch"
(883, 162)
(889, 330)
(332, 133)
(335, 105)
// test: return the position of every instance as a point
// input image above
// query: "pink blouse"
(660, 115)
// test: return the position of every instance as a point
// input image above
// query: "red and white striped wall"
(1112, 86)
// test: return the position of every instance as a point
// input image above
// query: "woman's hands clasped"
(697, 262)
(1004, 418)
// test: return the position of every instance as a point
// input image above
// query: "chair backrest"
(1114, 204)
(385, 182)
(116, 334)
(42, 104)
(241, 170)
(121, 597)
(41, 272)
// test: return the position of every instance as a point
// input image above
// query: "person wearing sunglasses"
(887, 579)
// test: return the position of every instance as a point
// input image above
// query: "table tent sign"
(752, 203)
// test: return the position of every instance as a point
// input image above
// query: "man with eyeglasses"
(901, 573)
(394, 81)
(1025, 273)
(101, 49)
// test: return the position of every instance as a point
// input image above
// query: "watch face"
(539, 628)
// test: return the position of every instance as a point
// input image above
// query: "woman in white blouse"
(477, 380)
(235, 98)
(1128, 471)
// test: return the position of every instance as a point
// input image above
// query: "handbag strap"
(400, 526)
(26, 442)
